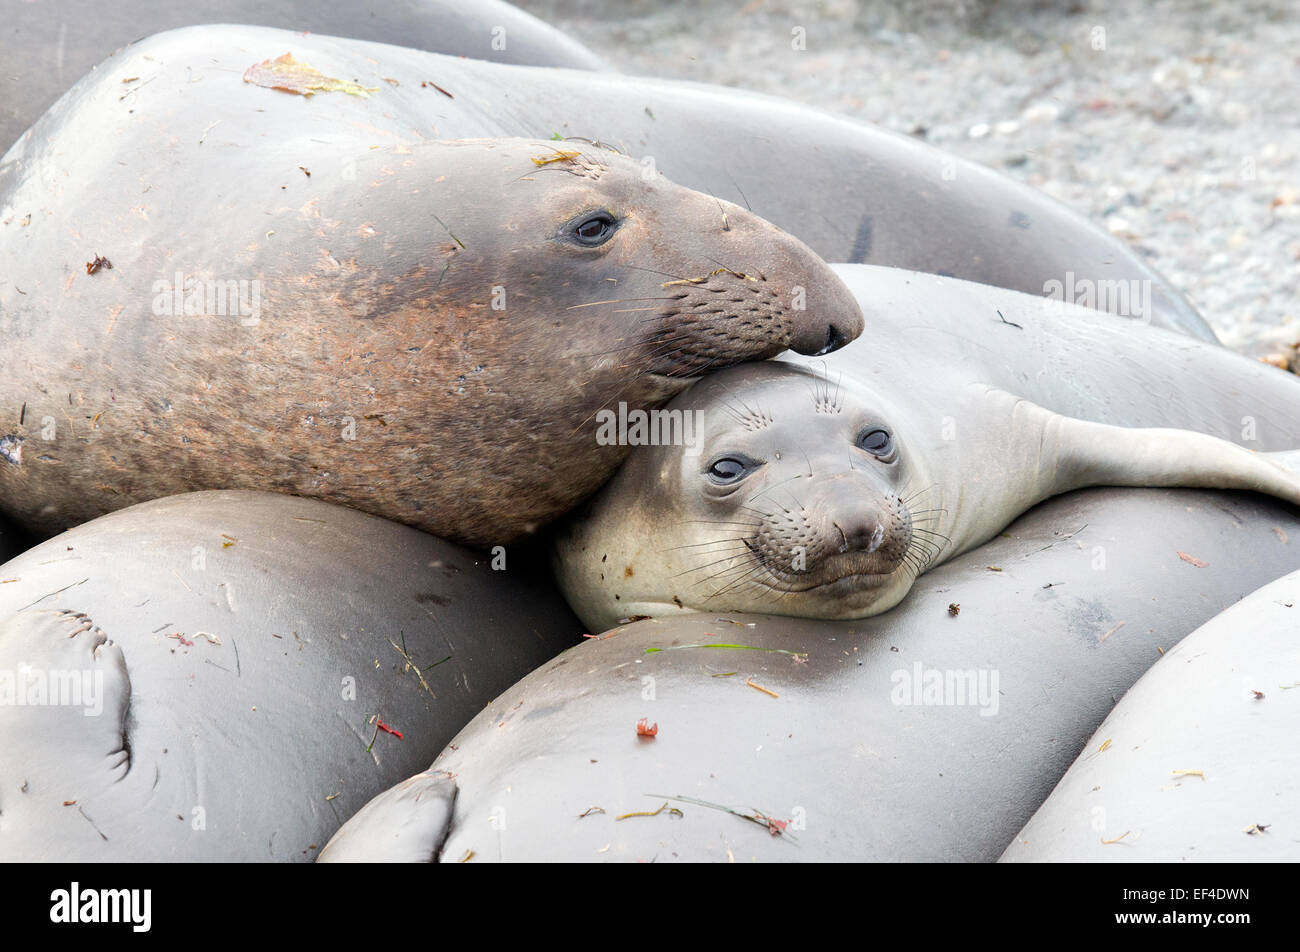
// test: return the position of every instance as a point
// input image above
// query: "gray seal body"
(1197, 761)
(916, 735)
(46, 47)
(204, 677)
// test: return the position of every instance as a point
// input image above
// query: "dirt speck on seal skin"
(11, 449)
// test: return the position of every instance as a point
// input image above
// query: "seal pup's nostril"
(844, 542)
(835, 339)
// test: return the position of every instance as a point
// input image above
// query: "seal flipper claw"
(63, 677)
(407, 823)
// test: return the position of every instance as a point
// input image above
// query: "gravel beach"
(1172, 125)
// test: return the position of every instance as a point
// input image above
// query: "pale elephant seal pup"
(429, 339)
(1197, 761)
(851, 191)
(917, 735)
(228, 676)
(823, 489)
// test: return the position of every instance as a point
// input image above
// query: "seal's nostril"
(835, 339)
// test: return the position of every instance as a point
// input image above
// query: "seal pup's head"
(799, 498)
(796, 495)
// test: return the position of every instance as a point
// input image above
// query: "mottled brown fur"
(376, 319)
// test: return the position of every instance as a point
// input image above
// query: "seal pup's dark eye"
(727, 470)
(593, 229)
(877, 442)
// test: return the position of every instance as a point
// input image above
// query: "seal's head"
(776, 488)
(568, 280)
(597, 246)
(432, 333)
(798, 498)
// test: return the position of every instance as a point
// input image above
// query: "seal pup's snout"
(863, 534)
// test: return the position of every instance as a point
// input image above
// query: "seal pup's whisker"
(727, 579)
(738, 541)
(736, 583)
(700, 568)
(768, 489)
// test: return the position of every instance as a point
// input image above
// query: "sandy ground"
(1173, 125)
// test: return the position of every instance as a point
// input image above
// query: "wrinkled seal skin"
(1195, 710)
(431, 340)
(978, 417)
(852, 192)
(1091, 585)
(244, 743)
(45, 47)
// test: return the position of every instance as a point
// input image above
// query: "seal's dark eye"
(877, 442)
(594, 229)
(727, 470)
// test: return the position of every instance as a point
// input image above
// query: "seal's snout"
(865, 534)
(803, 304)
(835, 339)
(831, 317)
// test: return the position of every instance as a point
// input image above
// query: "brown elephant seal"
(851, 191)
(228, 676)
(824, 488)
(1197, 761)
(428, 337)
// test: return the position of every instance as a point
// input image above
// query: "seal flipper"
(407, 823)
(1045, 454)
(1096, 454)
(63, 725)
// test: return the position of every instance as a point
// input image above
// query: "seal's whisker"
(699, 371)
(699, 568)
(574, 307)
(612, 399)
(741, 191)
(720, 573)
(757, 512)
(774, 486)
(932, 539)
(716, 522)
(737, 582)
(913, 495)
(696, 545)
(626, 347)
(733, 583)
(723, 211)
(666, 274)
